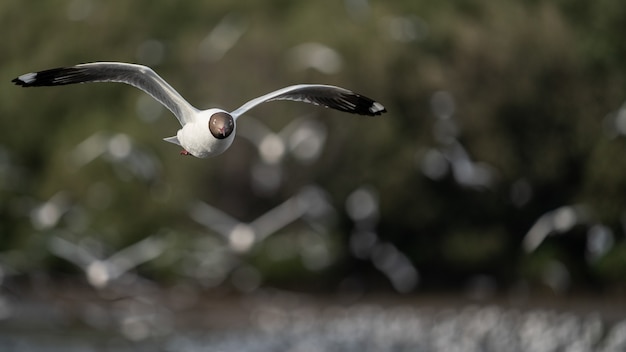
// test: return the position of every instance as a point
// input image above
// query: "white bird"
(204, 133)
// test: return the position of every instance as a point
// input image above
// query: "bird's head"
(221, 124)
(210, 135)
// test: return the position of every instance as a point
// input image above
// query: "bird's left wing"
(328, 96)
(138, 76)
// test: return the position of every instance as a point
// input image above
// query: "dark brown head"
(221, 125)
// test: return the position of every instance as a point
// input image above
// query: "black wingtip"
(52, 77)
(25, 80)
(363, 105)
(377, 109)
(18, 82)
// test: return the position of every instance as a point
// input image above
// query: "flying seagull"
(204, 133)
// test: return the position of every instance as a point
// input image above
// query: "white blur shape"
(615, 122)
(150, 52)
(600, 240)
(358, 9)
(79, 10)
(451, 156)
(556, 221)
(46, 215)
(119, 150)
(316, 56)
(223, 37)
(303, 139)
(406, 29)
(362, 206)
(310, 201)
(101, 272)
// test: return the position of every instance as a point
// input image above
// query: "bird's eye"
(221, 125)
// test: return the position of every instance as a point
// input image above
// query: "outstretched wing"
(138, 76)
(328, 96)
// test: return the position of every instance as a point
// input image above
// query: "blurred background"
(493, 190)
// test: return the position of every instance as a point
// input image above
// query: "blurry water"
(291, 323)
